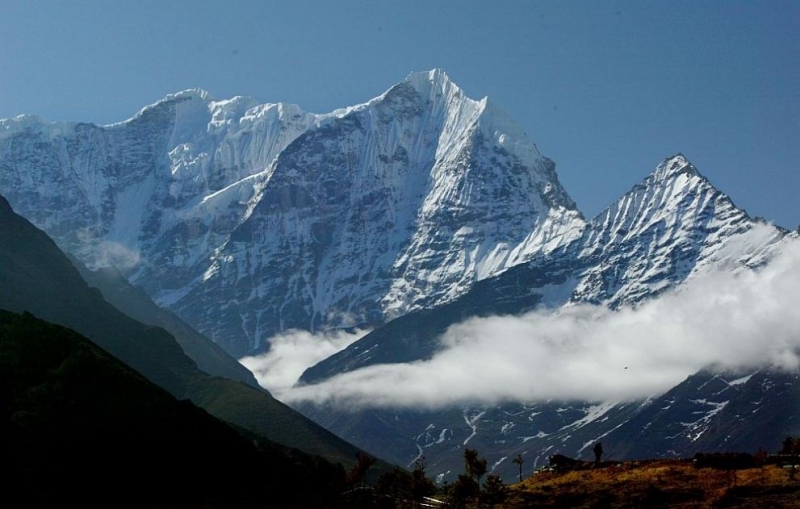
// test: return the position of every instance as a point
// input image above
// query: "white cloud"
(747, 319)
(100, 253)
(113, 254)
(292, 353)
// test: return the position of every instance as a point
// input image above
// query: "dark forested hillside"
(80, 427)
(35, 276)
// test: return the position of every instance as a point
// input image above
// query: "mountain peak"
(673, 179)
(434, 83)
(192, 94)
(435, 76)
(673, 166)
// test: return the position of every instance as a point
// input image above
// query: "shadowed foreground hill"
(78, 425)
(35, 276)
(134, 302)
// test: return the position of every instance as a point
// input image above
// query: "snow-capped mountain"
(712, 411)
(672, 226)
(668, 229)
(121, 184)
(408, 213)
(250, 219)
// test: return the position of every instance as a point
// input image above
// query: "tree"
(761, 457)
(791, 445)
(404, 488)
(463, 490)
(475, 466)
(392, 486)
(468, 485)
(357, 476)
(494, 490)
(421, 486)
(519, 460)
(598, 453)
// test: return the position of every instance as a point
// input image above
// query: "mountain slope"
(134, 302)
(36, 277)
(714, 410)
(164, 187)
(389, 208)
(79, 426)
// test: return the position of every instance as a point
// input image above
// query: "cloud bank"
(744, 320)
(291, 353)
(114, 254)
(104, 253)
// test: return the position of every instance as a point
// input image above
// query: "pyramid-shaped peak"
(432, 76)
(435, 81)
(673, 177)
(673, 166)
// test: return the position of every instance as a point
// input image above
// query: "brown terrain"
(659, 483)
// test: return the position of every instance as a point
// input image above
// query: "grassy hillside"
(661, 483)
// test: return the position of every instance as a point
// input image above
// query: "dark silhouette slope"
(36, 276)
(81, 428)
(134, 302)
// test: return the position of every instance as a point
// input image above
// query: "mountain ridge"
(608, 264)
(394, 209)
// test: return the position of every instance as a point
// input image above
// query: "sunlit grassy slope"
(667, 483)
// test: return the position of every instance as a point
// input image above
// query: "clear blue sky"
(606, 89)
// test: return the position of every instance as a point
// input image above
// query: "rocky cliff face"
(400, 204)
(250, 219)
(671, 227)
